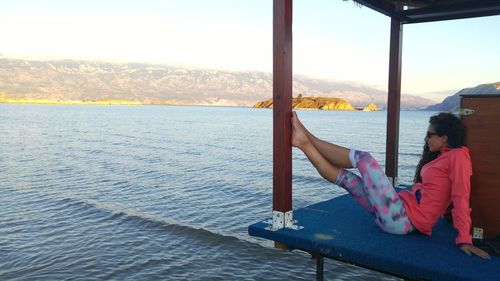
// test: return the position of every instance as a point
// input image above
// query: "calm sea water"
(163, 193)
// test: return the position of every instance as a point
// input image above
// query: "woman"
(442, 177)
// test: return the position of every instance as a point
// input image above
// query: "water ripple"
(160, 192)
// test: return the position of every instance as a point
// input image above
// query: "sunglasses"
(430, 134)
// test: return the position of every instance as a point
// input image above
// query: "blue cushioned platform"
(340, 229)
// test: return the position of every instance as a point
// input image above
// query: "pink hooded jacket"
(445, 180)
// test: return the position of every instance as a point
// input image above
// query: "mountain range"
(452, 103)
(63, 80)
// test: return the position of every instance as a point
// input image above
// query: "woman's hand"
(471, 249)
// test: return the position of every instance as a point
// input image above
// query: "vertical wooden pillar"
(393, 100)
(282, 105)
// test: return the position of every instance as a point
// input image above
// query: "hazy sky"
(333, 39)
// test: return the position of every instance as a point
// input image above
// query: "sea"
(165, 192)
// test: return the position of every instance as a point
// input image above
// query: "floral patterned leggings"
(374, 192)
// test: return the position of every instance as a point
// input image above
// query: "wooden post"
(319, 267)
(393, 100)
(282, 105)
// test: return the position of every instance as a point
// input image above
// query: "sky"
(332, 39)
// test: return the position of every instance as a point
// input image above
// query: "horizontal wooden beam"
(436, 11)
(382, 6)
(450, 11)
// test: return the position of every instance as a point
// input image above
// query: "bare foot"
(299, 132)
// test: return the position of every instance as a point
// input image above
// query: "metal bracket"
(393, 180)
(278, 220)
(477, 233)
(466, 111)
(283, 220)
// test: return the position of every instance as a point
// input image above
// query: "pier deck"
(340, 229)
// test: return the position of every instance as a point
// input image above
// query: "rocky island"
(371, 107)
(318, 103)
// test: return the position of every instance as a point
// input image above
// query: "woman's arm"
(460, 172)
(459, 175)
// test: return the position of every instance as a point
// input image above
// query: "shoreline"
(76, 102)
(137, 103)
(104, 102)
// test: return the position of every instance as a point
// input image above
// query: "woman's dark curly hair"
(445, 124)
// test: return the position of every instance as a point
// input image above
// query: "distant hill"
(452, 103)
(64, 80)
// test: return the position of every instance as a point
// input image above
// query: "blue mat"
(340, 229)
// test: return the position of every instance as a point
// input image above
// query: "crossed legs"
(372, 190)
